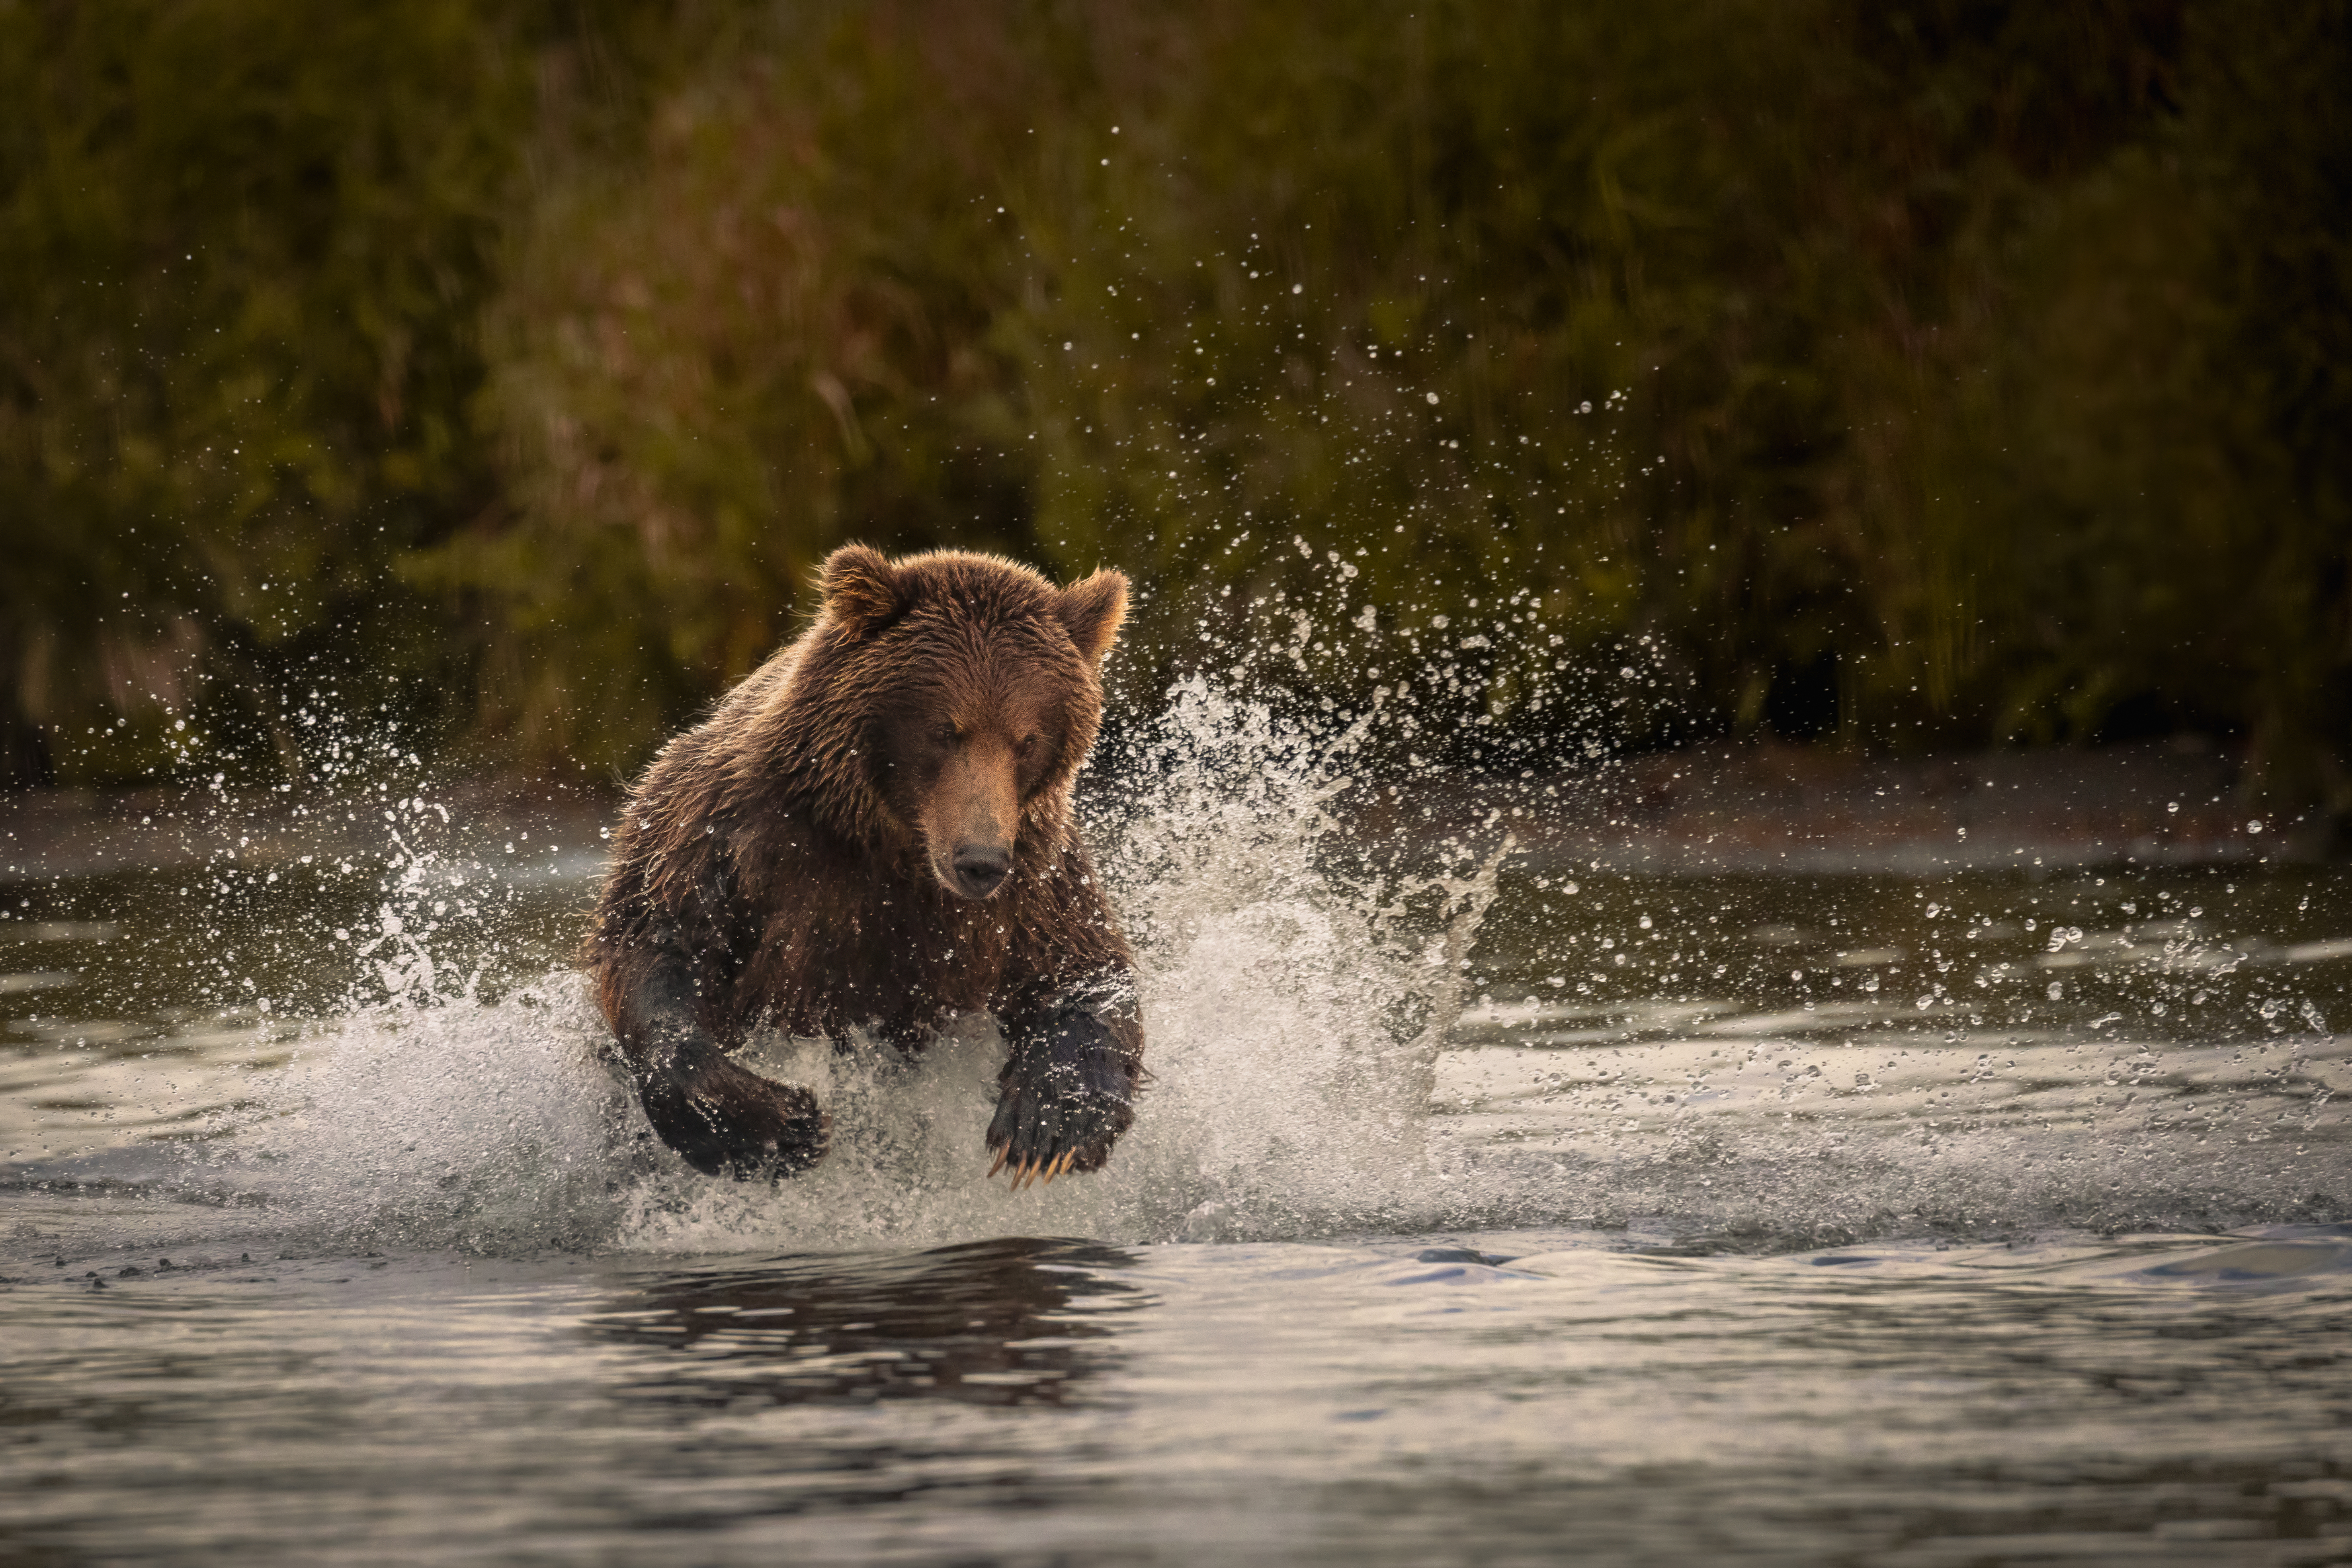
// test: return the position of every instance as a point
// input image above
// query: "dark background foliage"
(1899, 377)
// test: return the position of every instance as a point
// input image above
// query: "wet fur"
(780, 865)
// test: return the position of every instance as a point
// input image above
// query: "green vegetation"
(241, 262)
(1954, 374)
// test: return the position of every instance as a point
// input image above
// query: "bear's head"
(968, 689)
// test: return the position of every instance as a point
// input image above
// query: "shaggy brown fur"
(875, 828)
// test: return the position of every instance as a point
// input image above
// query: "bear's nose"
(982, 869)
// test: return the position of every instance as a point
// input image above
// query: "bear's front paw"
(726, 1120)
(1062, 1102)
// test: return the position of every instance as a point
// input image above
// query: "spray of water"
(1294, 1015)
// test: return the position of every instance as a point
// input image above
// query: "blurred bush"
(1934, 375)
(242, 253)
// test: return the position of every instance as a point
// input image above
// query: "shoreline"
(534, 829)
(1742, 811)
(1791, 810)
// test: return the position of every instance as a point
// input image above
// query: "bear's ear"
(1092, 610)
(861, 589)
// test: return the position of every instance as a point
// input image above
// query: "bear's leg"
(721, 1118)
(1066, 1090)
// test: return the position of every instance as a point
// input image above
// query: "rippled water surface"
(1483, 1210)
(1035, 1401)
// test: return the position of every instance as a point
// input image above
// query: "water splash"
(1294, 1014)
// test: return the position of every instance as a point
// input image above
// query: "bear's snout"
(972, 817)
(981, 869)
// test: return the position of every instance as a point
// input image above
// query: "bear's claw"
(1061, 1101)
(1024, 1175)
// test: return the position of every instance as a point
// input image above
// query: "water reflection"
(1019, 1321)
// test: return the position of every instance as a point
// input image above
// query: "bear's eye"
(1027, 744)
(948, 734)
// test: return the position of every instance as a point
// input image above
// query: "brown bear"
(875, 828)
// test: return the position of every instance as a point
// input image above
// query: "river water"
(1484, 1208)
